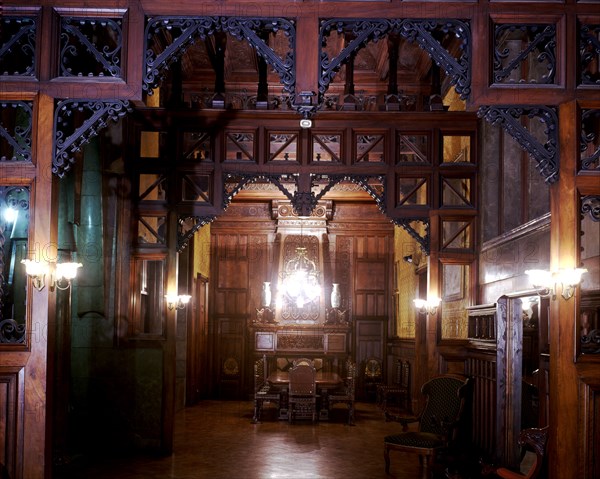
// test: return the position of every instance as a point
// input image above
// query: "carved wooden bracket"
(76, 122)
(187, 227)
(509, 118)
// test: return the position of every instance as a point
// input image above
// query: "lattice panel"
(413, 148)
(15, 130)
(524, 53)
(370, 148)
(17, 46)
(239, 146)
(590, 140)
(90, 47)
(589, 51)
(327, 148)
(197, 146)
(283, 147)
(412, 191)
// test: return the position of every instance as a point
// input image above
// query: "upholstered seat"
(438, 422)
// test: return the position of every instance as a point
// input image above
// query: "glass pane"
(152, 229)
(153, 187)
(149, 308)
(456, 235)
(456, 149)
(456, 192)
(151, 143)
(14, 227)
(326, 148)
(196, 188)
(197, 146)
(239, 146)
(370, 148)
(283, 147)
(413, 148)
(412, 191)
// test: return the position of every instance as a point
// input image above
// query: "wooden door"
(197, 342)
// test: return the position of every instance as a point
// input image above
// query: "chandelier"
(301, 279)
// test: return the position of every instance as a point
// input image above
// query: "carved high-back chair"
(372, 376)
(302, 393)
(346, 394)
(399, 391)
(438, 423)
(263, 391)
(535, 440)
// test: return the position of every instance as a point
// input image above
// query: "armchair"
(438, 423)
(535, 440)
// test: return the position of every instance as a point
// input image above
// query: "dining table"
(324, 380)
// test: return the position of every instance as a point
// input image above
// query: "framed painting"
(453, 285)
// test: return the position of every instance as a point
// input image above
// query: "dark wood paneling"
(11, 419)
(231, 357)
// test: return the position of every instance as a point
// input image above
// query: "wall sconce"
(428, 306)
(64, 273)
(545, 281)
(408, 258)
(177, 301)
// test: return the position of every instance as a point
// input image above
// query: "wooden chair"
(345, 395)
(531, 439)
(302, 394)
(438, 423)
(399, 391)
(372, 376)
(263, 391)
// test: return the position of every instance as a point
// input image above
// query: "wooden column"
(564, 230)
(42, 245)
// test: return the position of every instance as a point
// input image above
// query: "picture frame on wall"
(453, 283)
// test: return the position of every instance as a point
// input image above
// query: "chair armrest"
(404, 420)
(508, 474)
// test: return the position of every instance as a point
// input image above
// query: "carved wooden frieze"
(300, 342)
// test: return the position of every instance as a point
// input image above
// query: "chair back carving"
(303, 361)
(373, 371)
(403, 374)
(260, 374)
(444, 404)
(302, 380)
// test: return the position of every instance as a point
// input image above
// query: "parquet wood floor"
(216, 439)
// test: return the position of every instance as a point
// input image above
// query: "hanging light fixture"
(301, 279)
